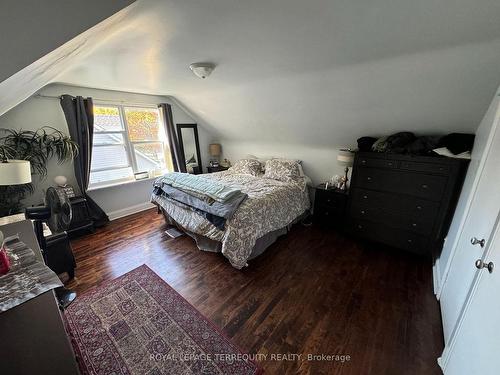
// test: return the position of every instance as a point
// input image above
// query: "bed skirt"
(262, 243)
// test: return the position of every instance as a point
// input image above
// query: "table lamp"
(15, 172)
(215, 150)
(345, 157)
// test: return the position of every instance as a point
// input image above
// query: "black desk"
(33, 338)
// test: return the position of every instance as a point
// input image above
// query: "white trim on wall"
(130, 210)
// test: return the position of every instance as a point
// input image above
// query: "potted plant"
(38, 147)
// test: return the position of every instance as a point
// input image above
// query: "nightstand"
(220, 168)
(329, 206)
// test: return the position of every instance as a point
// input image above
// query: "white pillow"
(263, 161)
(247, 166)
(285, 170)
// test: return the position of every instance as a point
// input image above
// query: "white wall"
(319, 163)
(37, 112)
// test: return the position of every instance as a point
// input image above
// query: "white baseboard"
(129, 210)
(436, 278)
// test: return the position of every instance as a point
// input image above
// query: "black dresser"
(404, 201)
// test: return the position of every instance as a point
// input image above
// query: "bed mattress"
(271, 206)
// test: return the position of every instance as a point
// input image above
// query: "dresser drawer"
(425, 167)
(416, 184)
(393, 203)
(384, 234)
(393, 220)
(377, 163)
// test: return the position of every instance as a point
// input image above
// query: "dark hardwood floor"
(312, 292)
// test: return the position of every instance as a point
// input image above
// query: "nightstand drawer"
(327, 215)
(329, 206)
(331, 198)
(219, 168)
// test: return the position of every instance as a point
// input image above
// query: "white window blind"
(127, 140)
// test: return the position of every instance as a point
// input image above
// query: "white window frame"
(127, 143)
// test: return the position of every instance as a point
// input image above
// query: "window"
(127, 140)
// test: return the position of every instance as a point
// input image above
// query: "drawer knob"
(362, 212)
(363, 161)
(489, 266)
(389, 164)
(425, 186)
(414, 225)
(365, 196)
(369, 178)
(328, 200)
(360, 226)
(410, 241)
(419, 207)
(476, 241)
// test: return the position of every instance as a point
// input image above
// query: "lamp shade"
(215, 149)
(15, 172)
(345, 157)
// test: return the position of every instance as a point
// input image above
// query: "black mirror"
(190, 147)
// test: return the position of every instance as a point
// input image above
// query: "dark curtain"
(173, 141)
(79, 115)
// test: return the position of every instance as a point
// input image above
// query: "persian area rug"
(138, 324)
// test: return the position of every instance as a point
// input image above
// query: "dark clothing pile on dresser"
(366, 143)
(457, 142)
(408, 143)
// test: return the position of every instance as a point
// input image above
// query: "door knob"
(475, 241)
(480, 265)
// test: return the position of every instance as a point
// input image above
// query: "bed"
(269, 209)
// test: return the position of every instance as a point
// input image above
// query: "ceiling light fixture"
(202, 69)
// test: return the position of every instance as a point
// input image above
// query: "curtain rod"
(111, 101)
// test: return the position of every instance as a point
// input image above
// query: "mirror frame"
(196, 141)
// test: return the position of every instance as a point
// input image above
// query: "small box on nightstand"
(329, 207)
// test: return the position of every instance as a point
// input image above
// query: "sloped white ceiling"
(312, 72)
(30, 29)
(26, 81)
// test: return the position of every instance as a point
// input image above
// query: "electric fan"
(60, 207)
(57, 214)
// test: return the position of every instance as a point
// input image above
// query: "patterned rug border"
(145, 268)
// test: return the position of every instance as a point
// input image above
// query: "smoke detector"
(201, 69)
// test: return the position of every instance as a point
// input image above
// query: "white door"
(479, 222)
(475, 348)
